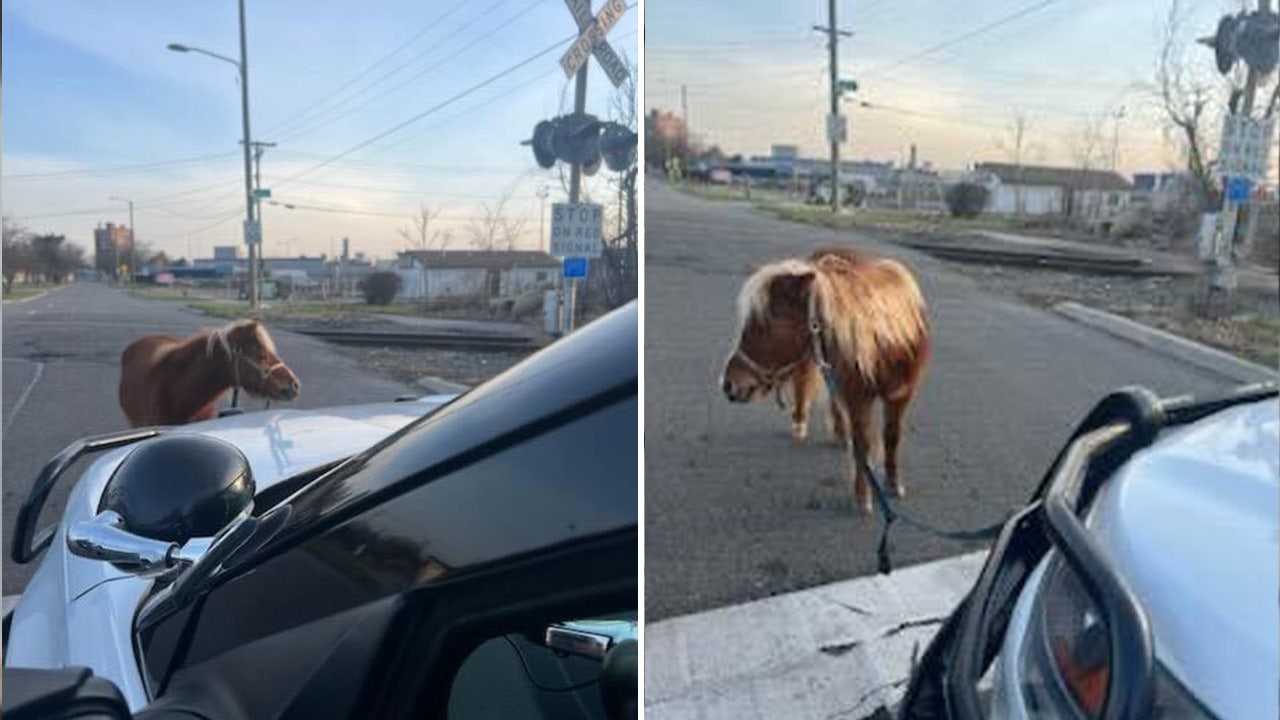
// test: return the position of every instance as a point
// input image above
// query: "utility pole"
(1116, 117)
(833, 119)
(542, 218)
(684, 113)
(250, 208)
(258, 148)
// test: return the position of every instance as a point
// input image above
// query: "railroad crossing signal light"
(581, 139)
(618, 145)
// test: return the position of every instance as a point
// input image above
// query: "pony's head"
(774, 339)
(255, 364)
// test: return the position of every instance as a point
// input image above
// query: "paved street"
(62, 366)
(735, 512)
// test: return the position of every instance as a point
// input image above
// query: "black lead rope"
(890, 514)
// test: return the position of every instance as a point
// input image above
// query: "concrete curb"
(440, 386)
(842, 650)
(37, 296)
(1188, 351)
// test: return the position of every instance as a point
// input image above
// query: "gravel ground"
(408, 364)
(1252, 331)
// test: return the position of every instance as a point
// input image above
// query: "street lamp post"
(243, 66)
(133, 238)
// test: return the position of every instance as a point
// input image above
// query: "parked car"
(445, 557)
(1139, 582)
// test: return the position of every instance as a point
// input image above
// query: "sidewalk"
(837, 651)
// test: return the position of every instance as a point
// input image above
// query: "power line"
(433, 109)
(999, 22)
(400, 191)
(430, 26)
(416, 76)
(115, 169)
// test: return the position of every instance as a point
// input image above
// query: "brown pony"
(863, 316)
(166, 381)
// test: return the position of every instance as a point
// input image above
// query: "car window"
(528, 675)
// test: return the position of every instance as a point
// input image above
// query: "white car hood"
(1193, 526)
(77, 611)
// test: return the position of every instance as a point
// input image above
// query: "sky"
(97, 107)
(756, 74)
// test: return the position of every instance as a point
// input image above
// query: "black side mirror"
(618, 681)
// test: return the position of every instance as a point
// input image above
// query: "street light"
(243, 66)
(133, 238)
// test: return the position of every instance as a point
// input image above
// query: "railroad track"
(457, 341)
(1054, 261)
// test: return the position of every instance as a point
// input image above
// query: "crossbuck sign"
(592, 31)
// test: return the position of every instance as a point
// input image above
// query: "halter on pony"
(772, 378)
(238, 356)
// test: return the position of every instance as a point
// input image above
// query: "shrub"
(966, 200)
(380, 288)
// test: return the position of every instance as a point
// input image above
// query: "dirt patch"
(1251, 331)
(406, 365)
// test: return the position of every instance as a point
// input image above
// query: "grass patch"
(158, 293)
(716, 192)
(22, 292)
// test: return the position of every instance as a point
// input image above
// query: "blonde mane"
(753, 299)
(219, 338)
(863, 321)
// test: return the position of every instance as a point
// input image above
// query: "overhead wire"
(418, 35)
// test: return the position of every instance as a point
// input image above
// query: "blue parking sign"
(1238, 188)
(575, 267)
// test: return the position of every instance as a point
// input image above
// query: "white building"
(1094, 196)
(462, 273)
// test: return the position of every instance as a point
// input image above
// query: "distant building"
(1165, 191)
(506, 273)
(111, 247)
(1094, 196)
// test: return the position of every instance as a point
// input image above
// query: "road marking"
(22, 399)
(835, 651)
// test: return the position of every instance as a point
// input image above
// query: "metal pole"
(575, 178)
(1115, 138)
(133, 242)
(250, 216)
(835, 106)
(1222, 271)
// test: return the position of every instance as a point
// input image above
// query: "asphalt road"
(61, 368)
(734, 511)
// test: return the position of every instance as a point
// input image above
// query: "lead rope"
(888, 513)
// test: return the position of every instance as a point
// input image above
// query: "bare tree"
(1016, 145)
(493, 229)
(1185, 98)
(17, 252)
(1087, 149)
(420, 237)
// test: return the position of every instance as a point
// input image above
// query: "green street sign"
(262, 193)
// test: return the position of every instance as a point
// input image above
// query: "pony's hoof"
(864, 507)
(899, 491)
(799, 432)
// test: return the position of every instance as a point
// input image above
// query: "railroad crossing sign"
(576, 230)
(1246, 145)
(592, 31)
